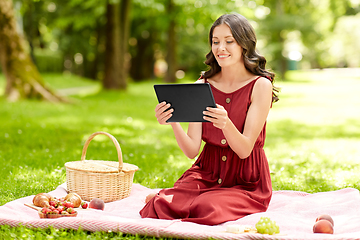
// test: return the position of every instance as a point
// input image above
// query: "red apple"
(325, 217)
(323, 226)
(97, 203)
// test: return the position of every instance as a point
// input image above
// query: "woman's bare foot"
(149, 197)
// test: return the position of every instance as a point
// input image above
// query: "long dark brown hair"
(244, 35)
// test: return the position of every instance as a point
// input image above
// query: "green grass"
(314, 132)
(313, 139)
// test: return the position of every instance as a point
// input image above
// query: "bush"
(48, 61)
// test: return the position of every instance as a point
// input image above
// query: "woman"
(230, 179)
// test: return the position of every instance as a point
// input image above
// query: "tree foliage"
(169, 38)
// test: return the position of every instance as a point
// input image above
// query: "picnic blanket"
(295, 213)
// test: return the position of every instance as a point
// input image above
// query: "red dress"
(219, 187)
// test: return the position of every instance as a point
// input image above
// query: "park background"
(99, 60)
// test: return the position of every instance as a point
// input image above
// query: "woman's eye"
(215, 42)
(230, 41)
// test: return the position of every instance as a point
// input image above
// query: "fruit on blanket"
(325, 217)
(70, 210)
(59, 207)
(68, 204)
(42, 200)
(46, 210)
(74, 198)
(266, 226)
(97, 203)
(59, 210)
(52, 203)
(323, 226)
(84, 205)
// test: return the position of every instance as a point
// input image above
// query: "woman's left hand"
(218, 116)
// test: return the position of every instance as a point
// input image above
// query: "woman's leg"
(222, 205)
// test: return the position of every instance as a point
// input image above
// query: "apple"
(97, 203)
(325, 217)
(323, 226)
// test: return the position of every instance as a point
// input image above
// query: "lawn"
(313, 138)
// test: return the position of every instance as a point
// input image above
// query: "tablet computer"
(188, 100)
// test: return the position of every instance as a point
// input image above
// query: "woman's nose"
(222, 46)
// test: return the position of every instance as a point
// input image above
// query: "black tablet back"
(188, 100)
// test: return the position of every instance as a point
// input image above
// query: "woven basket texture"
(107, 180)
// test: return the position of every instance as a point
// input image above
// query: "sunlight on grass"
(179, 161)
(324, 102)
(25, 177)
(64, 84)
(314, 132)
(312, 144)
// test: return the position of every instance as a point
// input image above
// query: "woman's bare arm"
(243, 143)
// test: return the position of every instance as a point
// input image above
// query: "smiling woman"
(237, 33)
(230, 178)
(224, 47)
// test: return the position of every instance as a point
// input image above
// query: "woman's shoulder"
(263, 82)
(214, 79)
(202, 79)
(262, 86)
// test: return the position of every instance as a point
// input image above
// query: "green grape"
(266, 226)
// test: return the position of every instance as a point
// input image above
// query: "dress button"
(223, 158)
(223, 141)
(228, 100)
(219, 181)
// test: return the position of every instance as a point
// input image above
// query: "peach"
(97, 203)
(323, 226)
(325, 217)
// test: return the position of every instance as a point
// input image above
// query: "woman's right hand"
(161, 114)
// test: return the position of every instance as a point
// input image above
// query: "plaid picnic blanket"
(295, 213)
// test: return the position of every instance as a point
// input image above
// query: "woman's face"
(225, 48)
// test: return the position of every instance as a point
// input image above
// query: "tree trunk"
(112, 52)
(171, 50)
(124, 38)
(116, 60)
(23, 80)
(30, 34)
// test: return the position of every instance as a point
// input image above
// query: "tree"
(171, 49)
(145, 38)
(125, 8)
(23, 80)
(117, 27)
(112, 52)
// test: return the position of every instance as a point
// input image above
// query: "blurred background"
(105, 56)
(120, 41)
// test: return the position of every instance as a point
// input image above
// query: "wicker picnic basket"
(107, 180)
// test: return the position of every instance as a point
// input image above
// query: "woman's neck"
(234, 74)
(231, 78)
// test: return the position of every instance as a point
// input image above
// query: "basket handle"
(117, 145)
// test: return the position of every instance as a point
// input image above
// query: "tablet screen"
(188, 100)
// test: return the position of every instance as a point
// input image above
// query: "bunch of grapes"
(266, 226)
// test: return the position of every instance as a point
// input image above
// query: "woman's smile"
(222, 56)
(225, 47)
